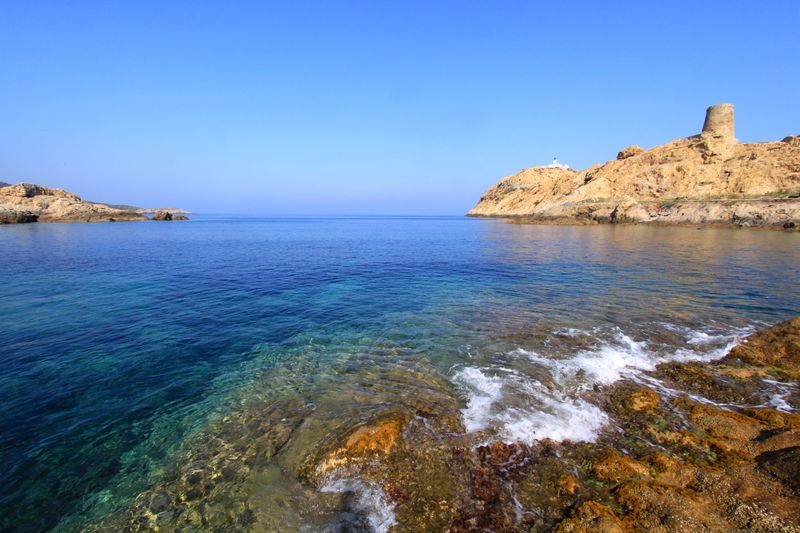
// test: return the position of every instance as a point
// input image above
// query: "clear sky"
(369, 107)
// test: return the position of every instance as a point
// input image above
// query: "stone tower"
(719, 123)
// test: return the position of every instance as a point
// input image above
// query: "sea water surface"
(119, 342)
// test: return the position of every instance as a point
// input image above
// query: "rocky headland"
(691, 446)
(705, 179)
(25, 202)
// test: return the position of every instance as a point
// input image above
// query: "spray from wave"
(514, 403)
(369, 507)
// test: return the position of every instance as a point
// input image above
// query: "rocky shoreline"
(690, 446)
(28, 203)
(708, 179)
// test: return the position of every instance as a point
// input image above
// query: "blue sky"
(369, 107)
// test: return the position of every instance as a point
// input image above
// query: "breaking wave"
(517, 404)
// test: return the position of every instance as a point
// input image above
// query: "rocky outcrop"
(705, 179)
(166, 215)
(630, 151)
(777, 347)
(17, 217)
(26, 202)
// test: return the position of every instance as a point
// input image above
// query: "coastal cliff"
(708, 178)
(25, 202)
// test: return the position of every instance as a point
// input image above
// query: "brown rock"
(643, 400)
(779, 441)
(591, 517)
(721, 383)
(630, 151)
(654, 507)
(8, 216)
(366, 442)
(671, 471)
(567, 484)
(674, 438)
(778, 346)
(167, 215)
(724, 424)
(774, 418)
(615, 467)
(784, 465)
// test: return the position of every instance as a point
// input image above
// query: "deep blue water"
(118, 341)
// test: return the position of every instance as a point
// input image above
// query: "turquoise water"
(120, 343)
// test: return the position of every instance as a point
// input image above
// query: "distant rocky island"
(705, 179)
(25, 202)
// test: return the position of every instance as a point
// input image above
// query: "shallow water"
(121, 344)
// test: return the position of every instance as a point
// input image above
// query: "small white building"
(556, 164)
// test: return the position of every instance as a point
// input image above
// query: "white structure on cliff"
(556, 164)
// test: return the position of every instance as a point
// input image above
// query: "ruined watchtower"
(719, 123)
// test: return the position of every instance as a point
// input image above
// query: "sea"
(123, 345)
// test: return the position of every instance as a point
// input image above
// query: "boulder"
(591, 516)
(630, 151)
(367, 442)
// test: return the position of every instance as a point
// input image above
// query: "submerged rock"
(369, 442)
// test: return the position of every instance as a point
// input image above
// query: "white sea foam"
(602, 365)
(571, 332)
(541, 414)
(518, 407)
(709, 335)
(701, 337)
(370, 501)
(562, 419)
(484, 392)
(778, 397)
